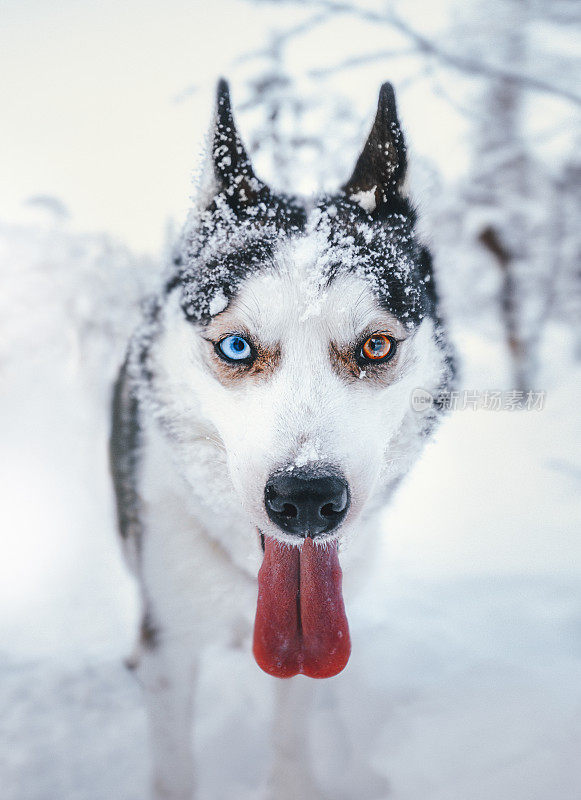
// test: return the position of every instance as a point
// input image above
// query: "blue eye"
(234, 348)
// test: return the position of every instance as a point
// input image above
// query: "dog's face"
(302, 332)
(300, 376)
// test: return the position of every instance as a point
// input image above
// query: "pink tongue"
(300, 624)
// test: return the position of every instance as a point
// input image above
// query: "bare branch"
(426, 46)
(358, 61)
(279, 38)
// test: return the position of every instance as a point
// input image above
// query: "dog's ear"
(380, 170)
(229, 172)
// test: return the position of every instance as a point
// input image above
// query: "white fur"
(304, 411)
(207, 452)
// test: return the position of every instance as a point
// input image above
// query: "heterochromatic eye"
(234, 348)
(379, 347)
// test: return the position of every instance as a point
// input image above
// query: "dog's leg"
(292, 776)
(168, 673)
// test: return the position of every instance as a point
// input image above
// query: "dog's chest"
(199, 564)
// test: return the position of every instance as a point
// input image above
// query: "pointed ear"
(231, 174)
(381, 167)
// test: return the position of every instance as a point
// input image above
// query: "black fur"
(123, 452)
(238, 230)
(383, 249)
(244, 222)
(382, 165)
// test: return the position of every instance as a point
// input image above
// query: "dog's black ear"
(380, 170)
(231, 175)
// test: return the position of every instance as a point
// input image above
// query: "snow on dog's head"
(296, 332)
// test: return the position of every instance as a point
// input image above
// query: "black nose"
(306, 503)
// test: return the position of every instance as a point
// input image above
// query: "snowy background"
(465, 675)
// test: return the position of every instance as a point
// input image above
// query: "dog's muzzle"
(307, 502)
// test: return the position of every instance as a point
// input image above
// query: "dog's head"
(295, 333)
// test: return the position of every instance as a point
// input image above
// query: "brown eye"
(379, 347)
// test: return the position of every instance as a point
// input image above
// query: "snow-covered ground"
(464, 679)
(464, 683)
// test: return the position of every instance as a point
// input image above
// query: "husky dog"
(261, 421)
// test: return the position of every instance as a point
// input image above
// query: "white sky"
(88, 91)
(88, 94)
